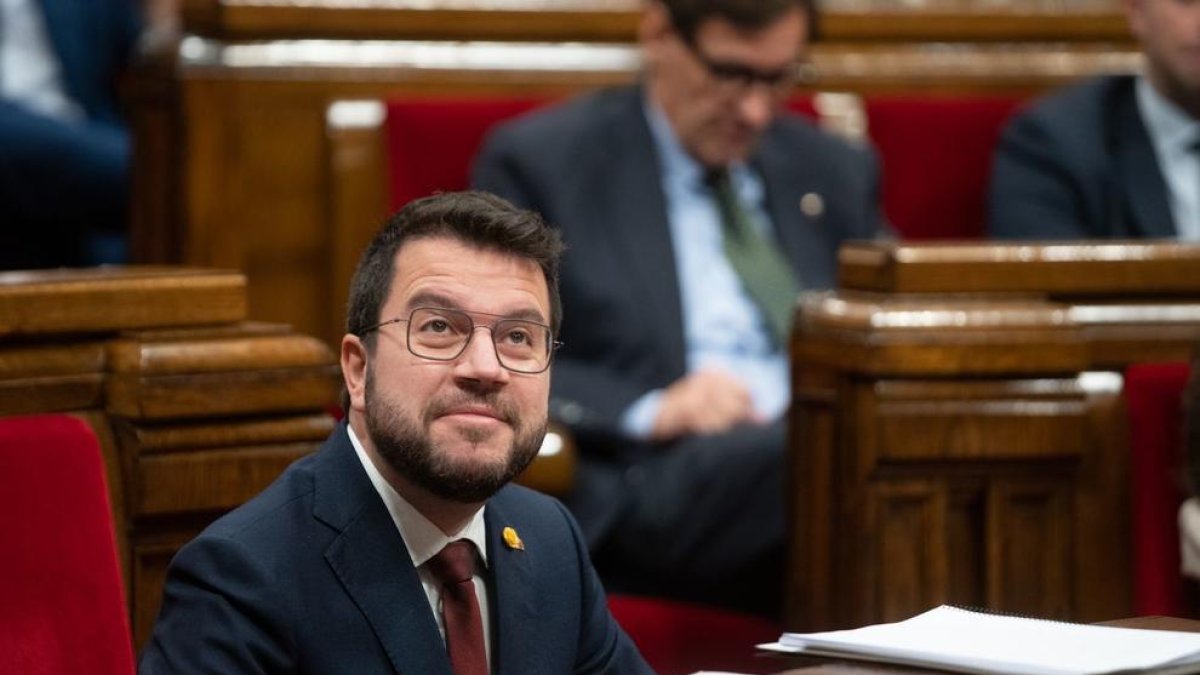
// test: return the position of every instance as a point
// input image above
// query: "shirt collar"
(1170, 128)
(422, 538)
(680, 170)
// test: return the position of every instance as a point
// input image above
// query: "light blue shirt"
(1174, 134)
(723, 327)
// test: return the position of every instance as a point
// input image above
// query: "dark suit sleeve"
(603, 645)
(221, 615)
(1032, 194)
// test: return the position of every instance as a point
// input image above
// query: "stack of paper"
(960, 640)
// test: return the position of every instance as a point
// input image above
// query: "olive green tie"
(764, 271)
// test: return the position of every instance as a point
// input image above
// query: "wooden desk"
(958, 429)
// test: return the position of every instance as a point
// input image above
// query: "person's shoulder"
(1089, 99)
(269, 512)
(576, 117)
(800, 133)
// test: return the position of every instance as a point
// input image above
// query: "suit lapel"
(786, 180)
(639, 224)
(371, 561)
(512, 597)
(1149, 214)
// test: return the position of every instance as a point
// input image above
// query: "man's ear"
(354, 371)
(653, 30)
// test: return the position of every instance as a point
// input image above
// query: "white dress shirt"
(424, 540)
(29, 69)
(1175, 136)
(723, 327)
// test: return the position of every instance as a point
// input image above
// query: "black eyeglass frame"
(552, 346)
(778, 82)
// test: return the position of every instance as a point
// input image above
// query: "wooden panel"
(1030, 549)
(104, 299)
(929, 421)
(55, 393)
(912, 556)
(208, 480)
(206, 395)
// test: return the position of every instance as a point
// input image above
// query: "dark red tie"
(452, 568)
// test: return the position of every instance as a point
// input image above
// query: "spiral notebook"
(965, 641)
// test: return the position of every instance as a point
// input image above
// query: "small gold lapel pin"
(512, 539)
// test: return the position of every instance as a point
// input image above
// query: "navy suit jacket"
(1079, 165)
(312, 576)
(591, 169)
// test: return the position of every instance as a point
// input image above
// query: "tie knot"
(455, 563)
(717, 178)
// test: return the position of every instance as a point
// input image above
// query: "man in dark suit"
(1115, 156)
(673, 370)
(64, 148)
(401, 547)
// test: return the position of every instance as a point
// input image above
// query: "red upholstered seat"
(1154, 395)
(937, 158)
(679, 638)
(62, 607)
(431, 142)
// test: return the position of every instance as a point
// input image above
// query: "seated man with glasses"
(694, 210)
(400, 547)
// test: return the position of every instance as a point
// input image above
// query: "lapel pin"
(812, 205)
(512, 539)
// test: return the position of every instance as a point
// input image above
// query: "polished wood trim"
(1114, 268)
(616, 21)
(102, 299)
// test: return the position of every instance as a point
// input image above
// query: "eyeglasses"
(739, 78)
(441, 334)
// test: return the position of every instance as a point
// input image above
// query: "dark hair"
(687, 15)
(476, 218)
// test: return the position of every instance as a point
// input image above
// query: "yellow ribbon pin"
(512, 539)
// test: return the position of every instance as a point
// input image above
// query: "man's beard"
(408, 449)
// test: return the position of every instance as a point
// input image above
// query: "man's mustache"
(504, 410)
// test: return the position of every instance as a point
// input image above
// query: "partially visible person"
(694, 211)
(1115, 156)
(401, 546)
(64, 147)
(1189, 512)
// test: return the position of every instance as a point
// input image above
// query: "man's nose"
(479, 360)
(756, 106)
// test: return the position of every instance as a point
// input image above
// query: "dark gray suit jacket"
(590, 167)
(1079, 165)
(312, 576)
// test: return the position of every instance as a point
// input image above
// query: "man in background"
(400, 546)
(1115, 156)
(693, 212)
(64, 148)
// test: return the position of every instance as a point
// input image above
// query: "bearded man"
(401, 547)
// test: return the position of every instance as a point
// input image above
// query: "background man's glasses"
(441, 334)
(739, 78)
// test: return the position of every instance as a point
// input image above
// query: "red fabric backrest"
(62, 607)
(678, 638)
(432, 142)
(1154, 396)
(936, 155)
